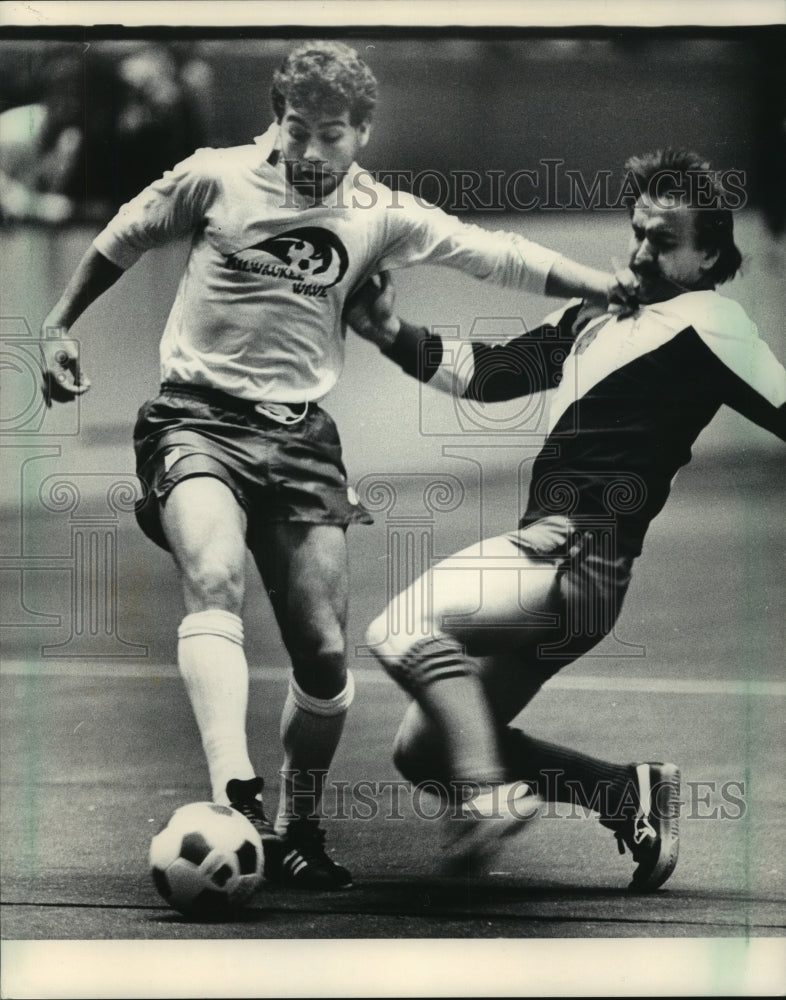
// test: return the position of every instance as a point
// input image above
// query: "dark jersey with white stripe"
(629, 398)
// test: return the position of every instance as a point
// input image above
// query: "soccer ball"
(207, 860)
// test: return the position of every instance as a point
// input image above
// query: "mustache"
(646, 271)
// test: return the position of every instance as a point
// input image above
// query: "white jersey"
(258, 312)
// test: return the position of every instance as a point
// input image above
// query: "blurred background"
(133, 105)
(85, 124)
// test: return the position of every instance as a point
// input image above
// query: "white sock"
(213, 667)
(310, 732)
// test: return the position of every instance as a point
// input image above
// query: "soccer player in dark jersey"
(235, 452)
(631, 392)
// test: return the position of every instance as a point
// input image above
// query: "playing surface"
(98, 744)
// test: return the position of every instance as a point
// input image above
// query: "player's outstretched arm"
(569, 279)
(488, 373)
(370, 310)
(432, 236)
(62, 378)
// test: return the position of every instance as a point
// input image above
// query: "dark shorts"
(278, 472)
(593, 580)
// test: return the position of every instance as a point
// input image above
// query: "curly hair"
(319, 76)
(678, 171)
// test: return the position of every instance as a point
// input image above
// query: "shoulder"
(710, 314)
(396, 201)
(208, 171)
(575, 312)
(725, 329)
(214, 162)
(419, 209)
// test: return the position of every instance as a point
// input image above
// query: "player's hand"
(369, 310)
(623, 293)
(62, 379)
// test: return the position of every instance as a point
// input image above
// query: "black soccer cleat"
(246, 798)
(652, 835)
(298, 859)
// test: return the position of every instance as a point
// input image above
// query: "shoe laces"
(251, 810)
(634, 833)
(642, 828)
(251, 806)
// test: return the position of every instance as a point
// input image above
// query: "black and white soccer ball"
(207, 860)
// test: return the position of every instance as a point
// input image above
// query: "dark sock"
(565, 775)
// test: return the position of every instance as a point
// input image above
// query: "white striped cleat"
(298, 859)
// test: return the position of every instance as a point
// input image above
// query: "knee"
(213, 582)
(320, 640)
(318, 657)
(384, 643)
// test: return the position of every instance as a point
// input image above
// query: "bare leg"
(304, 568)
(490, 599)
(205, 528)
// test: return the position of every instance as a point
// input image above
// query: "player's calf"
(438, 674)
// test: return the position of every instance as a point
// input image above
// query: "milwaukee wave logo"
(312, 258)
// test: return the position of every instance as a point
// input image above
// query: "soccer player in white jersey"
(236, 452)
(631, 392)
